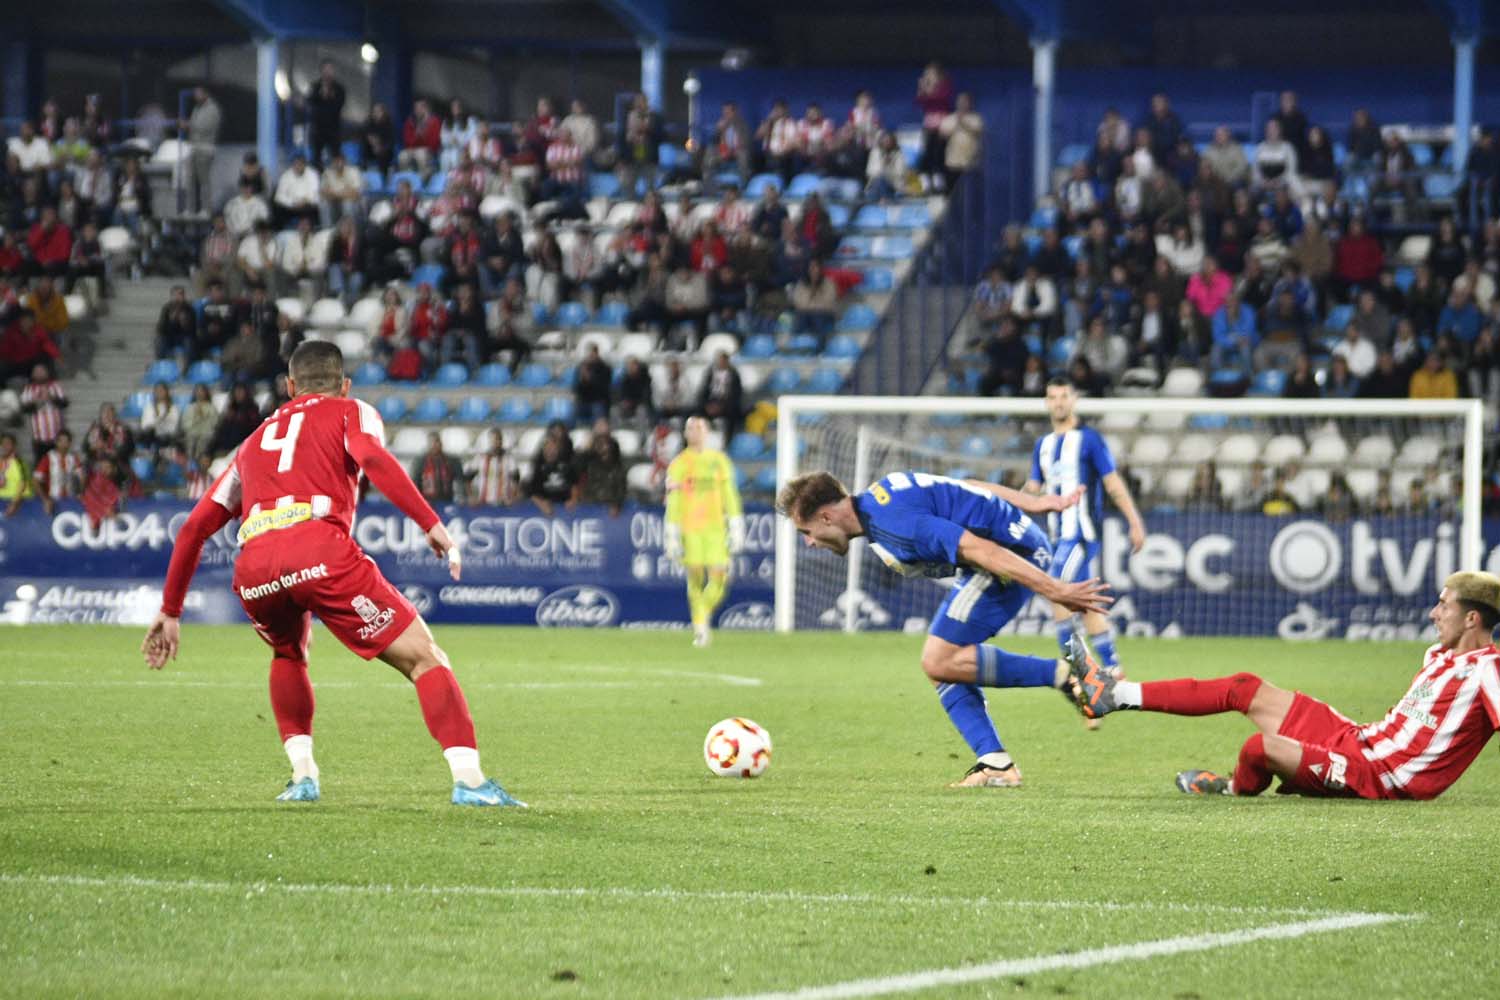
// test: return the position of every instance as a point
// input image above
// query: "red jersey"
(305, 458)
(1434, 733)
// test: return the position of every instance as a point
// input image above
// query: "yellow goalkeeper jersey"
(701, 492)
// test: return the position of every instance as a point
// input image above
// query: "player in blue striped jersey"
(922, 525)
(1071, 458)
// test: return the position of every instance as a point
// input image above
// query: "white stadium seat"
(1166, 421)
(326, 313)
(1238, 449)
(629, 441)
(115, 240)
(529, 441)
(1362, 483)
(1310, 486)
(716, 342)
(354, 344)
(1232, 482)
(1283, 448)
(1194, 448)
(622, 215)
(409, 442)
(366, 313)
(1178, 482)
(1182, 382)
(1116, 420)
(291, 307)
(1420, 451)
(457, 440)
(637, 345)
(604, 341)
(1327, 449)
(1150, 449)
(638, 478)
(1376, 452)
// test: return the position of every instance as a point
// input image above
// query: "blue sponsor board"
(579, 569)
(1198, 574)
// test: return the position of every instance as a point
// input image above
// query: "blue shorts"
(976, 609)
(1073, 559)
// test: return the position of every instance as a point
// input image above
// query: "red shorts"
(285, 576)
(1333, 758)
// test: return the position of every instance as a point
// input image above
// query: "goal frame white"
(790, 408)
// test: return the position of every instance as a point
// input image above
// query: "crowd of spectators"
(1153, 255)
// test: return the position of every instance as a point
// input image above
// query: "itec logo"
(578, 606)
(752, 616)
(375, 619)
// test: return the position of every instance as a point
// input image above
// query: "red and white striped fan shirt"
(58, 475)
(1436, 730)
(494, 480)
(47, 418)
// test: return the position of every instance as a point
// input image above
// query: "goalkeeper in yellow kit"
(705, 523)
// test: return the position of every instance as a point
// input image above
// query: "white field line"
(319, 685)
(913, 981)
(135, 882)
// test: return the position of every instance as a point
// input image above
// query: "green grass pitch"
(141, 853)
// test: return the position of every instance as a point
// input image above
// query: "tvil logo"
(578, 606)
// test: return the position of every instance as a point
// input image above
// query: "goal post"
(1359, 571)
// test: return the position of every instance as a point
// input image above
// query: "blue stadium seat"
(803, 185)
(604, 185)
(572, 315)
(1271, 382)
(558, 408)
(143, 468)
(492, 376)
(1340, 153)
(782, 381)
(857, 318)
(1074, 245)
(134, 405)
(1061, 352)
(840, 189)
(1044, 217)
(1072, 153)
(352, 151)
(450, 376)
(392, 408)
(960, 472)
(204, 373)
(765, 480)
(374, 182)
(1033, 342)
(410, 176)
(1033, 243)
(569, 378)
(369, 373)
(915, 216)
(172, 477)
(825, 381)
(431, 410)
(164, 370)
(514, 410)
(534, 376)
(612, 314)
(1356, 189)
(838, 215)
(1339, 317)
(878, 279)
(539, 314)
(855, 246)
(935, 442)
(1208, 422)
(1421, 154)
(474, 409)
(870, 217)
(892, 247)
(759, 183)
(842, 347)
(1445, 160)
(1441, 186)
(741, 479)
(977, 446)
(1228, 380)
(758, 347)
(803, 343)
(429, 274)
(746, 447)
(728, 178)
(948, 419)
(182, 400)
(1405, 278)
(434, 186)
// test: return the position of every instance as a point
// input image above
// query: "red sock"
(1252, 775)
(444, 708)
(1194, 697)
(291, 698)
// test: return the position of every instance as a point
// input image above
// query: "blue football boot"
(488, 794)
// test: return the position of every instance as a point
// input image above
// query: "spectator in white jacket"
(297, 194)
(885, 170)
(244, 210)
(342, 188)
(303, 257)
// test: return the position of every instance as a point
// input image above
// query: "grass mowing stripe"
(665, 892)
(912, 981)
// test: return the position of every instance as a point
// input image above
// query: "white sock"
(999, 760)
(464, 763)
(1128, 694)
(299, 750)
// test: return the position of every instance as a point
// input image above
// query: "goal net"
(1302, 519)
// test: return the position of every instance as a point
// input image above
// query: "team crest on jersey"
(375, 618)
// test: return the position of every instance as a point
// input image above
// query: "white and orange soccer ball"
(737, 748)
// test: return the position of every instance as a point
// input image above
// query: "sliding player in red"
(1420, 748)
(294, 483)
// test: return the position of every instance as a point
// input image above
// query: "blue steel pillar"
(21, 78)
(651, 71)
(1463, 97)
(1043, 76)
(267, 146)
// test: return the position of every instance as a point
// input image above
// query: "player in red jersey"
(1421, 747)
(293, 482)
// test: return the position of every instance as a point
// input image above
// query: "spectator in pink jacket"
(1209, 288)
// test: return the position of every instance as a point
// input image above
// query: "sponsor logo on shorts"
(578, 606)
(420, 597)
(751, 616)
(376, 619)
(498, 597)
(1337, 763)
(284, 582)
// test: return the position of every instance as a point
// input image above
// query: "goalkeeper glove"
(736, 535)
(672, 542)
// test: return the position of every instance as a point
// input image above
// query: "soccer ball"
(737, 748)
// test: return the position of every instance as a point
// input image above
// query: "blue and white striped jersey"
(1062, 463)
(913, 522)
